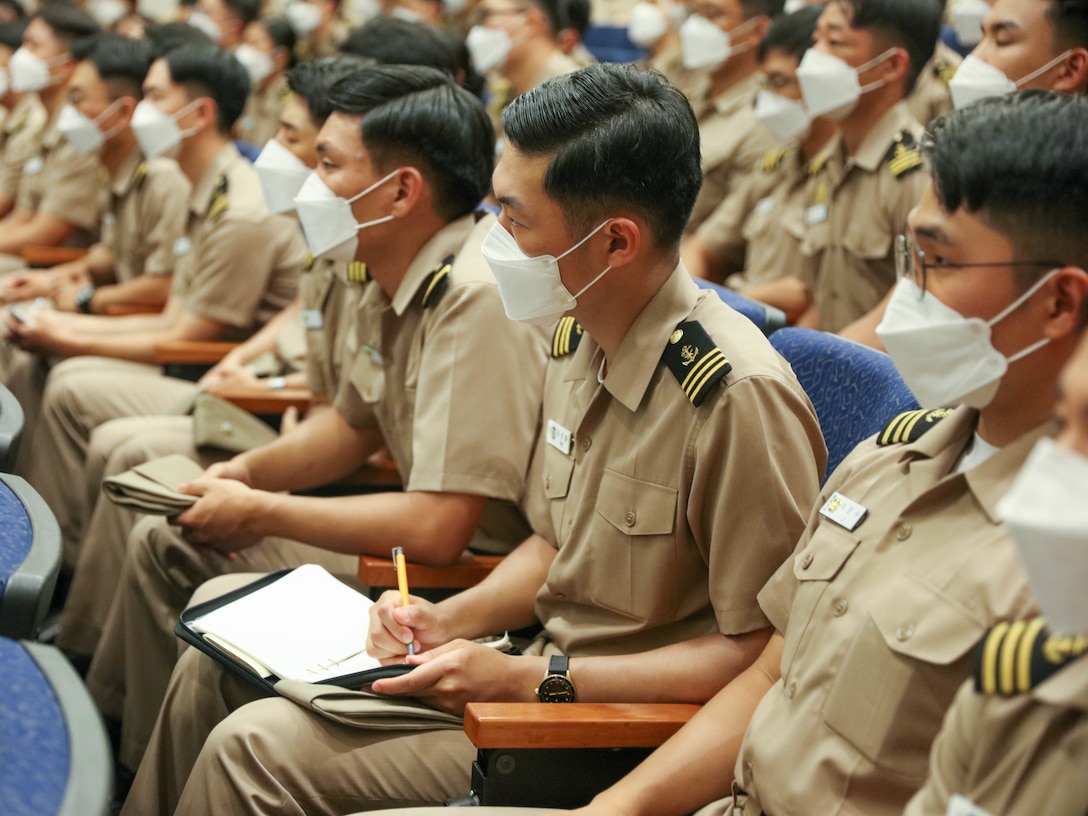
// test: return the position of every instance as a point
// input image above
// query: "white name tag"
(375, 354)
(558, 437)
(108, 221)
(312, 320)
(764, 206)
(816, 214)
(844, 512)
(182, 246)
(33, 166)
(960, 806)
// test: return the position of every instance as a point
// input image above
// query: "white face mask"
(704, 45)
(108, 12)
(646, 24)
(28, 72)
(1046, 514)
(82, 133)
(793, 5)
(488, 47)
(976, 79)
(304, 18)
(785, 118)
(830, 86)
(966, 17)
(4, 84)
(158, 132)
(327, 220)
(282, 175)
(202, 22)
(407, 14)
(944, 357)
(258, 64)
(531, 288)
(454, 6)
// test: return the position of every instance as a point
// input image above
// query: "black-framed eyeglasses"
(910, 262)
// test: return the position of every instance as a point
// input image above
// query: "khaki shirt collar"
(125, 176)
(201, 197)
(639, 355)
(51, 135)
(447, 241)
(878, 141)
(740, 96)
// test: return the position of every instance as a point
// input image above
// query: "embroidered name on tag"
(312, 320)
(844, 512)
(559, 437)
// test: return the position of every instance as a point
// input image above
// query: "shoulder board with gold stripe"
(140, 176)
(695, 361)
(910, 426)
(435, 284)
(773, 159)
(903, 156)
(818, 163)
(568, 334)
(944, 70)
(357, 272)
(1014, 658)
(220, 200)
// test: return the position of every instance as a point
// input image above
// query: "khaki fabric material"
(880, 624)
(152, 487)
(220, 424)
(931, 97)
(19, 140)
(261, 117)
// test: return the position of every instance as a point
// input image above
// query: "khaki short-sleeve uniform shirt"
(19, 140)
(452, 384)
(236, 264)
(145, 216)
(851, 224)
(330, 299)
(732, 141)
(1019, 755)
(931, 97)
(261, 116)
(880, 621)
(60, 182)
(669, 515)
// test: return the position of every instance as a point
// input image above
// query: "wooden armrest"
(191, 351)
(574, 725)
(36, 255)
(466, 571)
(259, 400)
(122, 309)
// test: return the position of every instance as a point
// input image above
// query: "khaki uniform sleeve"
(478, 397)
(950, 757)
(71, 188)
(164, 216)
(723, 230)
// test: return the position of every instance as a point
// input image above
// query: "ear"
(1073, 73)
(206, 113)
(1066, 306)
(759, 28)
(624, 241)
(896, 67)
(126, 106)
(410, 188)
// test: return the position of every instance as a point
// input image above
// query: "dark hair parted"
(765, 8)
(208, 70)
(121, 62)
(914, 25)
(245, 10)
(310, 81)
(1020, 163)
(791, 33)
(165, 37)
(417, 116)
(621, 139)
(67, 22)
(393, 41)
(1070, 21)
(11, 34)
(282, 35)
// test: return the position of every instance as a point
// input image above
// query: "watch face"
(556, 689)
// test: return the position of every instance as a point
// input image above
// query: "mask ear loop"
(185, 134)
(1040, 71)
(113, 131)
(607, 269)
(1016, 304)
(875, 61)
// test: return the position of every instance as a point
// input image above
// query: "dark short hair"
(282, 35)
(1070, 21)
(121, 62)
(555, 13)
(472, 80)
(165, 37)
(393, 41)
(208, 70)
(312, 80)
(914, 25)
(765, 8)
(620, 138)
(1020, 163)
(791, 33)
(576, 14)
(246, 10)
(418, 116)
(11, 34)
(67, 22)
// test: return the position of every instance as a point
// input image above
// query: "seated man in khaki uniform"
(58, 198)
(236, 267)
(267, 52)
(435, 373)
(905, 562)
(1016, 742)
(676, 455)
(224, 21)
(134, 260)
(721, 37)
(22, 124)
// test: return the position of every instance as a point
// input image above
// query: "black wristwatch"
(83, 298)
(556, 687)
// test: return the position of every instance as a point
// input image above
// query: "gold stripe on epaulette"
(357, 272)
(772, 159)
(702, 372)
(905, 162)
(566, 337)
(989, 657)
(891, 433)
(1024, 652)
(436, 284)
(1006, 675)
(140, 176)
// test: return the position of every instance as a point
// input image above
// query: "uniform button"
(630, 518)
(560, 596)
(226, 428)
(547, 482)
(586, 442)
(841, 605)
(748, 773)
(791, 689)
(806, 562)
(903, 533)
(904, 632)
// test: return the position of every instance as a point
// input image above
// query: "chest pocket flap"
(635, 507)
(829, 548)
(926, 624)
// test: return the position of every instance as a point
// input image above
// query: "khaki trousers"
(24, 375)
(137, 650)
(81, 394)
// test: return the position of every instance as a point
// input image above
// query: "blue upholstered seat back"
(16, 534)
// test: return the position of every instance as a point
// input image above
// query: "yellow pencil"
(402, 584)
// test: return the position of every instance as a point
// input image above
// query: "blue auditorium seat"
(854, 389)
(11, 427)
(609, 43)
(250, 151)
(30, 553)
(55, 759)
(767, 318)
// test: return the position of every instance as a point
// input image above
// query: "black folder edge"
(357, 681)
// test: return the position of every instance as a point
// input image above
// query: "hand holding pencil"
(402, 584)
